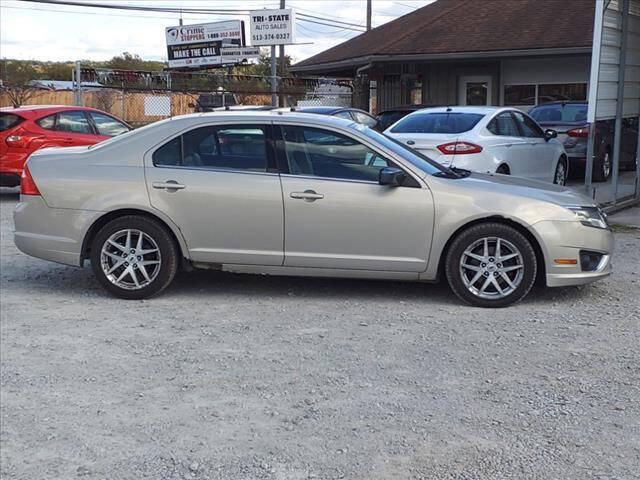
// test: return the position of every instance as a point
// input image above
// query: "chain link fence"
(140, 97)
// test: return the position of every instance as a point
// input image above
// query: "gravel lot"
(238, 377)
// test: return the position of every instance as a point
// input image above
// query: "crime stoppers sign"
(272, 27)
(201, 45)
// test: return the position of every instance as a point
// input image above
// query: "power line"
(217, 11)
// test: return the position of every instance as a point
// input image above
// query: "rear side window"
(240, 147)
(73, 122)
(503, 125)
(437, 123)
(9, 120)
(560, 113)
(108, 126)
(47, 122)
(365, 119)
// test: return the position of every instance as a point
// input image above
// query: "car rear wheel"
(134, 257)
(503, 169)
(560, 176)
(602, 168)
(491, 265)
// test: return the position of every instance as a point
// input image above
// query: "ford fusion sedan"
(300, 194)
(24, 130)
(485, 139)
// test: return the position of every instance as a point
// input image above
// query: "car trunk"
(427, 144)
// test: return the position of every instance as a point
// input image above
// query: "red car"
(26, 129)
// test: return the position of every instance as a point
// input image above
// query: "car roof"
(408, 108)
(563, 102)
(327, 110)
(484, 110)
(36, 110)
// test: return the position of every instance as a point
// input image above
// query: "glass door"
(475, 90)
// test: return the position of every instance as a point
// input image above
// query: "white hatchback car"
(484, 139)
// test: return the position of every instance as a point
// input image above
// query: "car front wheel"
(491, 265)
(134, 257)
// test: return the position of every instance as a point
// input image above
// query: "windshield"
(387, 119)
(571, 113)
(437, 123)
(9, 120)
(415, 158)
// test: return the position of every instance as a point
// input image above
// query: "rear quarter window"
(437, 123)
(9, 120)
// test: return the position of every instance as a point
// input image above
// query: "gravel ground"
(239, 377)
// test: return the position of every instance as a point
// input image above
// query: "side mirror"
(549, 134)
(394, 177)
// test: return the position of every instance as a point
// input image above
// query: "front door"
(475, 90)
(540, 154)
(338, 215)
(213, 183)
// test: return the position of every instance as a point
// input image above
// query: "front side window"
(437, 123)
(108, 126)
(529, 128)
(503, 125)
(73, 122)
(239, 147)
(321, 153)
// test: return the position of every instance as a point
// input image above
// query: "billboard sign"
(201, 45)
(272, 27)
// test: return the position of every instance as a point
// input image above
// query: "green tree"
(17, 80)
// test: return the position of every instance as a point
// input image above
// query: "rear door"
(219, 185)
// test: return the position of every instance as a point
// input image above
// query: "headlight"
(590, 216)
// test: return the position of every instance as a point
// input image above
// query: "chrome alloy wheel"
(130, 259)
(491, 268)
(561, 174)
(606, 165)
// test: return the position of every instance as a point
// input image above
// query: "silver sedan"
(300, 194)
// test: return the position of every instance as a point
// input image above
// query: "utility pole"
(368, 15)
(282, 60)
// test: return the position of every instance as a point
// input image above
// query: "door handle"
(67, 140)
(307, 195)
(507, 144)
(410, 142)
(168, 185)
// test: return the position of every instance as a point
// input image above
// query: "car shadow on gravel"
(9, 194)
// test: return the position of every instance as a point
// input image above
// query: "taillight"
(579, 132)
(459, 148)
(21, 139)
(27, 185)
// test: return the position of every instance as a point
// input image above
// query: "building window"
(516, 95)
(519, 95)
(561, 91)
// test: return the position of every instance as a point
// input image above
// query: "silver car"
(300, 194)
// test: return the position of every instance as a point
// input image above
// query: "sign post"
(271, 28)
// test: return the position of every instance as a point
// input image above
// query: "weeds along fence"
(142, 97)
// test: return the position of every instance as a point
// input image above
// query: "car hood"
(524, 187)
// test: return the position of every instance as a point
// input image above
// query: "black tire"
(562, 164)
(468, 237)
(602, 167)
(503, 169)
(168, 256)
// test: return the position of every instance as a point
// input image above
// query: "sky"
(41, 31)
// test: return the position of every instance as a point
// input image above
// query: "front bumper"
(564, 240)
